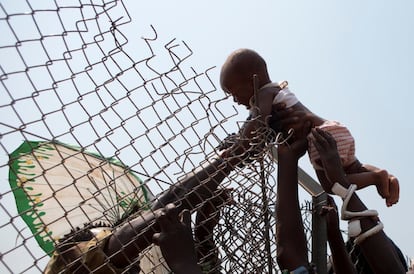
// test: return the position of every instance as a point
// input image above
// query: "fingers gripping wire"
(354, 223)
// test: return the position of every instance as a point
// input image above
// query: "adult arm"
(198, 185)
(342, 262)
(377, 249)
(290, 236)
(135, 235)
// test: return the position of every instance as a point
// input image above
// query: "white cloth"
(284, 95)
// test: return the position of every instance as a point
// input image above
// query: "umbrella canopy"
(59, 188)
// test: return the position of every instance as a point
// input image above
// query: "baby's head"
(237, 72)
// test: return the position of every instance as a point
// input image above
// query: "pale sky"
(349, 61)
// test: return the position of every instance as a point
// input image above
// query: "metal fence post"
(319, 238)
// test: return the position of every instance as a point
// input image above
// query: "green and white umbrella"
(58, 188)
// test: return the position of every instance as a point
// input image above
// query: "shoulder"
(275, 87)
(269, 90)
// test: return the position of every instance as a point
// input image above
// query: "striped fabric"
(344, 141)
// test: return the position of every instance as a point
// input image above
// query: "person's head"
(237, 72)
(77, 234)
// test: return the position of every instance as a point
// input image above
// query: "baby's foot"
(383, 185)
(394, 190)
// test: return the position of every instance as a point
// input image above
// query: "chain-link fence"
(96, 125)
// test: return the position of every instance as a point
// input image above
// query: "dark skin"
(188, 193)
(186, 261)
(377, 249)
(342, 262)
(292, 249)
(136, 234)
(236, 79)
(290, 239)
(207, 218)
(176, 231)
(236, 76)
(129, 239)
(290, 236)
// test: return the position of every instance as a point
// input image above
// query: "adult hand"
(176, 235)
(298, 145)
(330, 211)
(285, 119)
(331, 162)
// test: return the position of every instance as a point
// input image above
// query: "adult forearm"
(128, 240)
(341, 259)
(290, 237)
(287, 204)
(376, 248)
(196, 186)
(381, 254)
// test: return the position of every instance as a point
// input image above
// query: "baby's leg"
(365, 175)
(378, 177)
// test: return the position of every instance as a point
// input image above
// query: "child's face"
(241, 92)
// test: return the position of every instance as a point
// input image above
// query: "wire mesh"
(71, 77)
